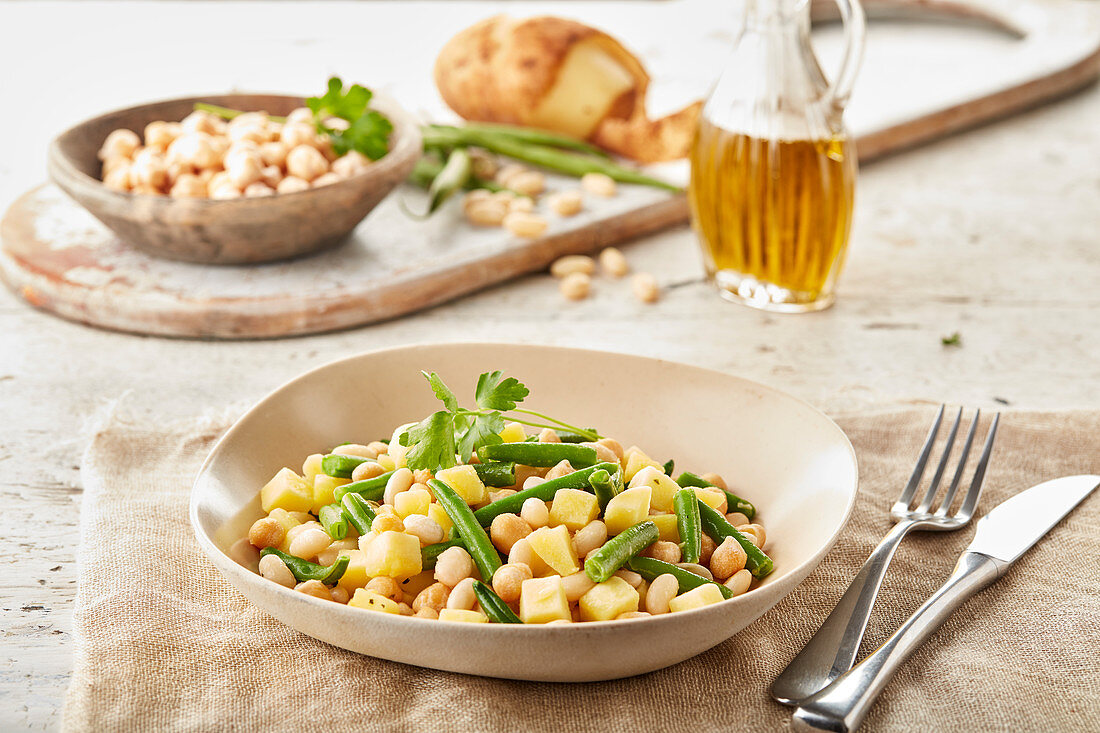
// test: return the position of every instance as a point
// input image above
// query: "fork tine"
(902, 504)
(937, 477)
(971, 500)
(963, 456)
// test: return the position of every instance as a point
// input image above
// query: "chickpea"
(224, 191)
(739, 582)
(258, 189)
(501, 494)
(614, 262)
(528, 183)
(534, 512)
(422, 476)
(472, 197)
(486, 212)
(662, 590)
(522, 224)
(367, 470)
(301, 114)
(562, 468)
(266, 532)
(531, 480)
(194, 149)
(755, 533)
(386, 523)
(665, 551)
(273, 154)
(148, 170)
(326, 179)
(549, 435)
(522, 204)
(275, 570)
(566, 203)
(589, 537)
(603, 453)
(314, 588)
(199, 121)
(598, 184)
(707, 548)
(727, 559)
(426, 612)
(255, 133)
(292, 184)
(506, 530)
(306, 162)
(118, 178)
(570, 264)
(433, 597)
(310, 542)
(350, 164)
(160, 134)
(270, 175)
(453, 566)
(508, 579)
(120, 143)
(614, 446)
(575, 286)
(506, 172)
(462, 595)
(244, 169)
(576, 585)
(423, 528)
(295, 134)
(340, 594)
(645, 288)
(387, 587)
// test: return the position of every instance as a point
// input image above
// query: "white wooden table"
(994, 234)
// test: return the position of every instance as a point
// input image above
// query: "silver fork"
(832, 650)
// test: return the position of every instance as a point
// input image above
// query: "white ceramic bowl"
(790, 460)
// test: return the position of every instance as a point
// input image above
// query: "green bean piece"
(541, 455)
(372, 489)
(690, 525)
(358, 512)
(493, 606)
(669, 467)
(428, 167)
(603, 563)
(227, 114)
(431, 553)
(649, 568)
(341, 466)
(304, 570)
(606, 486)
(538, 137)
(715, 525)
(568, 436)
(479, 546)
(333, 520)
(572, 164)
(495, 474)
(545, 491)
(734, 503)
(454, 175)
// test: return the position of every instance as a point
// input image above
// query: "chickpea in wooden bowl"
(177, 179)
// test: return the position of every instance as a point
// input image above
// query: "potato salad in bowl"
(498, 514)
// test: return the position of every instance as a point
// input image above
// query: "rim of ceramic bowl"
(225, 563)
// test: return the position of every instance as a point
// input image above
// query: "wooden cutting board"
(59, 258)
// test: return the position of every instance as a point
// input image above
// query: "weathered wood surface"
(992, 233)
(58, 258)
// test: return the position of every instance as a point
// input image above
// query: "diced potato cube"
(413, 501)
(371, 601)
(573, 508)
(312, 466)
(397, 451)
(704, 595)
(323, 488)
(604, 601)
(287, 490)
(667, 526)
(542, 600)
(462, 615)
(386, 462)
(466, 483)
(553, 546)
(664, 488)
(635, 460)
(513, 433)
(714, 498)
(356, 574)
(395, 555)
(627, 509)
(437, 513)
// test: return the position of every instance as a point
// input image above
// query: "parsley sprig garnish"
(368, 130)
(434, 442)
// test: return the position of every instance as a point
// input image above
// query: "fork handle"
(833, 649)
(842, 705)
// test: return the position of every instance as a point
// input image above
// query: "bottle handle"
(855, 32)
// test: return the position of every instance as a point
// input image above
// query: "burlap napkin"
(162, 643)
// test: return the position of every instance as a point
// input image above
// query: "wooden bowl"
(232, 231)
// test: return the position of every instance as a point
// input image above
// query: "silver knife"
(1001, 538)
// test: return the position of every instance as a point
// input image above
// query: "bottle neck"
(777, 14)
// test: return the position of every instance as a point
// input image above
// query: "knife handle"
(842, 705)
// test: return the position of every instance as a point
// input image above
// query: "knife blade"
(1001, 538)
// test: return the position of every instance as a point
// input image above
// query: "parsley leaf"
(431, 442)
(494, 393)
(483, 431)
(368, 131)
(954, 339)
(442, 391)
